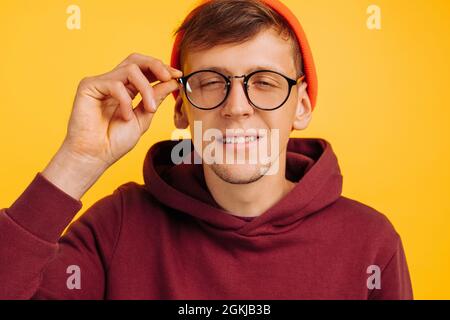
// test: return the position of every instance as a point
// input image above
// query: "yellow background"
(383, 102)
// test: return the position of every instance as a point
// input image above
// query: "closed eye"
(264, 84)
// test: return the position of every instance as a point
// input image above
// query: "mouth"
(239, 139)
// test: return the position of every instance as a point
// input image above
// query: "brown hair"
(220, 22)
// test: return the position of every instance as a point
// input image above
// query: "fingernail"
(154, 106)
(176, 70)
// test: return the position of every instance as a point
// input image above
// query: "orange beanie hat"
(308, 61)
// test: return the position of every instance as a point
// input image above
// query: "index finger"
(154, 69)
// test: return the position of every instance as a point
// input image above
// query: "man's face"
(265, 51)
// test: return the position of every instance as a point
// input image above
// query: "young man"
(273, 226)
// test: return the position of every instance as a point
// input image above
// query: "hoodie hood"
(311, 163)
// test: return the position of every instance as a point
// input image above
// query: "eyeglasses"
(265, 89)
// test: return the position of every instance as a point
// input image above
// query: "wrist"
(72, 173)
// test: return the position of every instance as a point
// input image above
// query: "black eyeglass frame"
(291, 82)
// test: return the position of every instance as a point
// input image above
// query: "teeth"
(239, 140)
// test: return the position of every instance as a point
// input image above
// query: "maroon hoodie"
(169, 239)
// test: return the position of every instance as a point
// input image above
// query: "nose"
(237, 104)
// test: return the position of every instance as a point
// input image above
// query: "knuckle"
(133, 56)
(115, 84)
(85, 82)
(132, 68)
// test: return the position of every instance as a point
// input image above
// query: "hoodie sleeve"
(37, 263)
(395, 278)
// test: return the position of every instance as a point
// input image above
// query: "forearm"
(29, 232)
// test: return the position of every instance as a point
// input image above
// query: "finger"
(117, 90)
(137, 78)
(132, 91)
(154, 69)
(175, 72)
(162, 90)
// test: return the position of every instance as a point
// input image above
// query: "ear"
(303, 113)
(180, 117)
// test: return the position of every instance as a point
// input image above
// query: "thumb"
(161, 90)
(143, 117)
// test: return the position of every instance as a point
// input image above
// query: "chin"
(239, 173)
